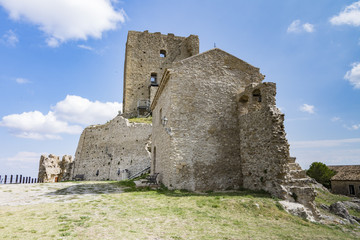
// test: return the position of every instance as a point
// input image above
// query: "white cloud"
(350, 15)
(353, 76)
(308, 27)
(22, 80)
(36, 125)
(80, 110)
(85, 47)
(10, 38)
(355, 127)
(63, 20)
(297, 27)
(307, 108)
(335, 119)
(331, 152)
(66, 117)
(324, 143)
(31, 157)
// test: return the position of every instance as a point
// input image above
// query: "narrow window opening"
(153, 79)
(257, 95)
(162, 53)
(97, 173)
(154, 160)
(160, 116)
(351, 190)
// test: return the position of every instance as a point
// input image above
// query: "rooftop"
(346, 172)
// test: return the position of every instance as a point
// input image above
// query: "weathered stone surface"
(339, 209)
(198, 148)
(142, 59)
(51, 169)
(66, 165)
(113, 151)
(298, 209)
(265, 152)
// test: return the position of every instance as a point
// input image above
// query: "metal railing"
(138, 174)
(17, 179)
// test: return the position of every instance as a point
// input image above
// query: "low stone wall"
(113, 151)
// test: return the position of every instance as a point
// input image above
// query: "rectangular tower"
(147, 56)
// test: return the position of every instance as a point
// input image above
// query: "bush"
(321, 173)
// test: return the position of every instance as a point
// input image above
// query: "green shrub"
(321, 173)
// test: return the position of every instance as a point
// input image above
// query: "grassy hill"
(86, 211)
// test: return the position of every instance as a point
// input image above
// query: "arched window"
(162, 53)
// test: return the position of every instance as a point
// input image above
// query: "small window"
(153, 78)
(162, 53)
(154, 160)
(351, 190)
(257, 95)
(160, 116)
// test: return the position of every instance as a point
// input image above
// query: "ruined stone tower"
(147, 56)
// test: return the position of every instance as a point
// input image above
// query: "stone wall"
(142, 59)
(113, 150)
(198, 98)
(342, 187)
(264, 150)
(263, 146)
(51, 169)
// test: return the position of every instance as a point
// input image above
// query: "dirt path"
(25, 194)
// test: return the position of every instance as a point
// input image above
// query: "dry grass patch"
(162, 214)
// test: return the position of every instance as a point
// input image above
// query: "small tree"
(321, 173)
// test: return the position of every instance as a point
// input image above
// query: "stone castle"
(215, 124)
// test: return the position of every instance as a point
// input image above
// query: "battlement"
(147, 56)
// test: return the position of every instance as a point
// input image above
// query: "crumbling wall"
(142, 59)
(66, 166)
(113, 150)
(51, 169)
(264, 150)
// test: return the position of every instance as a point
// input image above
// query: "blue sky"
(61, 67)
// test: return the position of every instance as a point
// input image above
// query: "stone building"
(113, 151)
(346, 181)
(147, 56)
(216, 126)
(195, 122)
(119, 149)
(51, 169)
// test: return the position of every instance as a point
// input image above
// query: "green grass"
(163, 214)
(328, 198)
(141, 120)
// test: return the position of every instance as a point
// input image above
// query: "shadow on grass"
(129, 186)
(112, 187)
(91, 188)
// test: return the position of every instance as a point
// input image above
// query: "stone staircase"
(298, 187)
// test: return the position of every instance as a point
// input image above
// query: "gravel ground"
(26, 194)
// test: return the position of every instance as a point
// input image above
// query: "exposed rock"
(354, 204)
(51, 169)
(325, 207)
(339, 209)
(298, 209)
